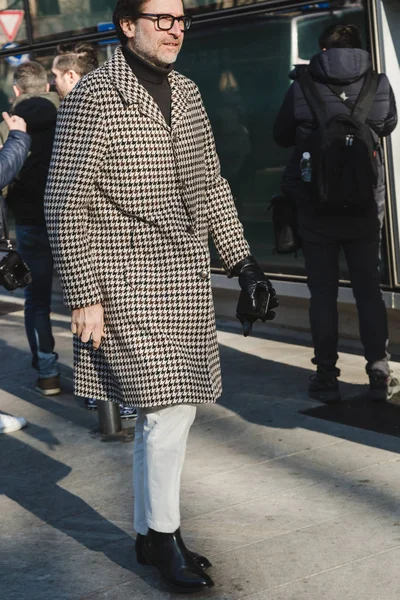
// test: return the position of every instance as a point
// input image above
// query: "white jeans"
(159, 452)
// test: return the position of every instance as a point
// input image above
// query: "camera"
(14, 272)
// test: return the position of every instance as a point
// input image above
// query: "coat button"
(190, 230)
(203, 275)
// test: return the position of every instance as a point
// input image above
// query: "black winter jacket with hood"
(26, 194)
(345, 67)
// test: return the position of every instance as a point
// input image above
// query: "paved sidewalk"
(287, 506)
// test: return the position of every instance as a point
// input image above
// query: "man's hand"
(14, 123)
(88, 324)
(257, 298)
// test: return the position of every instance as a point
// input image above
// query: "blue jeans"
(33, 245)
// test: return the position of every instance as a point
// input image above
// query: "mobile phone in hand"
(263, 299)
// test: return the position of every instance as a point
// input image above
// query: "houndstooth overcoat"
(130, 203)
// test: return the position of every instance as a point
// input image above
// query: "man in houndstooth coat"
(133, 192)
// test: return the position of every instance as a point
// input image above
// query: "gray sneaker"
(382, 386)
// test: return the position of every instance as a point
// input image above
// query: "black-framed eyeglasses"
(166, 22)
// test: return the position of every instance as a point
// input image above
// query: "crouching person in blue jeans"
(12, 157)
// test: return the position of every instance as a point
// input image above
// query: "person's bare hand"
(14, 123)
(88, 324)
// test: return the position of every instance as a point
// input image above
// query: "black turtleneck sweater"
(153, 79)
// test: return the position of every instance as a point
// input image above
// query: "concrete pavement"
(287, 506)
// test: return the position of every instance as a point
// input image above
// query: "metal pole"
(28, 21)
(109, 418)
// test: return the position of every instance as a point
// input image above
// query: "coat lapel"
(132, 92)
(130, 89)
(179, 97)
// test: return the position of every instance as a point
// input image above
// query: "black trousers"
(360, 238)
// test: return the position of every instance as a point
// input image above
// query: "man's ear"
(47, 87)
(73, 76)
(128, 27)
(17, 91)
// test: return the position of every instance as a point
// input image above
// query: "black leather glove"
(257, 298)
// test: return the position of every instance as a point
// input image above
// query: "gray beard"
(152, 60)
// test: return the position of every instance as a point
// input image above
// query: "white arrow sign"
(10, 22)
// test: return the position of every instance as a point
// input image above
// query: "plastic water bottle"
(305, 167)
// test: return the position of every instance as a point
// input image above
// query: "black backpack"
(343, 150)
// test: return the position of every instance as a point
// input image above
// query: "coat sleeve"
(384, 112)
(389, 123)
(222, 219)
(78, 148)
(13, 155)
(285, 123)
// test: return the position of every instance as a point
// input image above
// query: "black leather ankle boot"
(167, 552)
(201, 561)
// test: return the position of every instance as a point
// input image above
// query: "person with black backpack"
(334, 115)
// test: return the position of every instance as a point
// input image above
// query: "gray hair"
(31, 78)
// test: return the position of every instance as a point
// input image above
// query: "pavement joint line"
(312, 575)
(271, 495)
(263, 497)
(354, 471)
(289, 489)
(236, 439)
(299, 529)
(270, 460)
(386, 462)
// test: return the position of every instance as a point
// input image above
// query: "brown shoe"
(50, 386)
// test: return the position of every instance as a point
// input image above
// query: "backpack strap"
(366, 98)
(361, 108)
(314, 99)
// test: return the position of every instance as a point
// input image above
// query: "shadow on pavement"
(272, 387)
(381, 417)
(30, 478)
